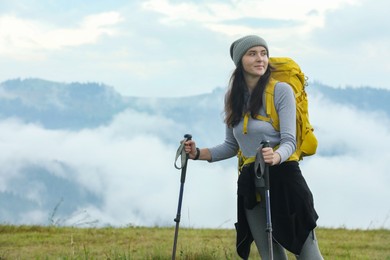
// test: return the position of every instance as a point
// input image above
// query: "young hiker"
(293, 214)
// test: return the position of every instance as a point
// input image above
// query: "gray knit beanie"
(240, 46)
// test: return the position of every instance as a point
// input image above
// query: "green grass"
(49, 242)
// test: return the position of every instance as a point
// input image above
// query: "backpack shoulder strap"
(270, 108)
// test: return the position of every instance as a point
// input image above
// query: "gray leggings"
(258, 223)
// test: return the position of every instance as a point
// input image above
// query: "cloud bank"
(127, 166)
(122, 173)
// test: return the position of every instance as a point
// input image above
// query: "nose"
(259, 57)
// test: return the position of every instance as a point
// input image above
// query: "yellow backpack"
(287, 70)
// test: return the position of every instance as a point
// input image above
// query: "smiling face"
(255, 62)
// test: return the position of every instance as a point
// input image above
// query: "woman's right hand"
(190, 148)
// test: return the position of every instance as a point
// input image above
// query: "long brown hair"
(235, 97)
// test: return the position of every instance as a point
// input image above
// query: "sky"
(170, 48)
(181, 48)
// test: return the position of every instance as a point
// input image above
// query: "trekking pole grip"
(187, 137)
(265, 143)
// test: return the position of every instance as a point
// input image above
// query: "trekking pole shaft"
(178, 214)
(177, 220)
(269, 224)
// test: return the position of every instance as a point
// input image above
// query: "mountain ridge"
(86, 105)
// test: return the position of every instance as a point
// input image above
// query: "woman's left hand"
(270, 157)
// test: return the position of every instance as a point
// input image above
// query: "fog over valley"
(83, 154)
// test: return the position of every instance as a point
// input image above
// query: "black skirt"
(292, 207)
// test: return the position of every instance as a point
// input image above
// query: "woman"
(293, 214)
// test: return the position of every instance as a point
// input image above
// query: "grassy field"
(38, 242)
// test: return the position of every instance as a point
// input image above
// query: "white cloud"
(154, 47)
(25, 35)
(33, 216)
(218, 16)
(349, 175)
(126, 164)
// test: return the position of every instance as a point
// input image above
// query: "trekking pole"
(184, 160)
(268, 205)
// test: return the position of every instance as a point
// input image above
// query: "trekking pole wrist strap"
(197, 154)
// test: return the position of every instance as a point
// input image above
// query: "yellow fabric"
(242, 160)
(245, 124)
(286, 70)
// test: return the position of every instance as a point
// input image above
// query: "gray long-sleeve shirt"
(258, 130)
